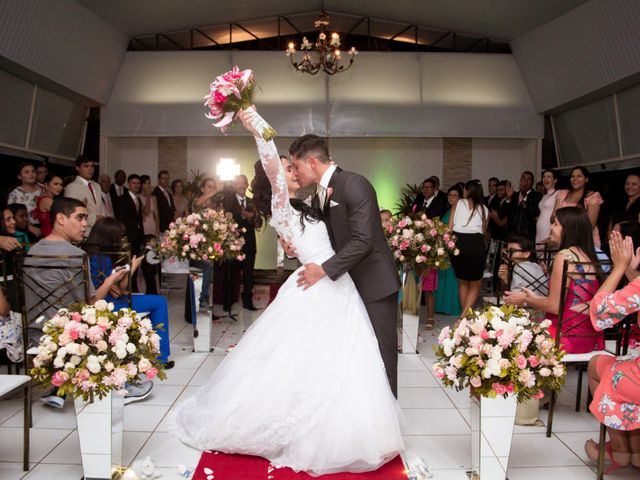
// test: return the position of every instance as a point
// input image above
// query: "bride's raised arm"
(270, 159)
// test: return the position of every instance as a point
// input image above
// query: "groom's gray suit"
(352, 216)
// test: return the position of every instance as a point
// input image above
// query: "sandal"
(623, 458)
(430, 323)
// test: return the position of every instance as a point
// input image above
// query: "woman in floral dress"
(615, 383)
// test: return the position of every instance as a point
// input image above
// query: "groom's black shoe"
(249, 306)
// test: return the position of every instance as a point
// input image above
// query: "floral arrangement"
(207, 235)
(421, 242)
(229, 93)
(89, 350)
(500, 351)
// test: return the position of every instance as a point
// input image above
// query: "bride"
(306, 386)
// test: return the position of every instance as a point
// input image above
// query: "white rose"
(101, 305)
(75, 360)
(131, 348)
(57, 362)
(93, 364)
(558, 371)
(144, 365)
(83, 349)
(120, 352)
(101, 346)
(62, 352)
(545, 372)
(69, 366)
(440, 251)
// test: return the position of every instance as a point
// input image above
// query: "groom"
(351, 213)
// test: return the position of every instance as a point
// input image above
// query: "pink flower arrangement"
(228, 94)
(208, 235)
(420, 242)
(89, 350)
(499, 351)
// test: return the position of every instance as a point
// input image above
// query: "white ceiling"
(496, 19)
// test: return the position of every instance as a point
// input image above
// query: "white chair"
(10, 384)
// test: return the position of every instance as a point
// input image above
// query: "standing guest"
(385, 217)
(41, 174)
(209, 198)
(571, 234)
(245, 214)
(117, 191)
(131, 217)
(107, 201)
(164, 200)
(23, 227)
(180, 201)
(52, 189)
(151, 264)
(580, 196)
(446, 296)
(493, 190)
(631, 210)
(150, 217)
(28, 191)
(540, 188)
(615, 382)
(547, 205)
(428, 202)
(499, 213)
(523, 207)
(468, 222)
(83, 188)
(439, 194)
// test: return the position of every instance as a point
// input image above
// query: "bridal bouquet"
(89, 350)
(229, 93)
(207, 235)
(421, 242)
(499, 351)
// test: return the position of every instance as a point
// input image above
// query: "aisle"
(437, 420)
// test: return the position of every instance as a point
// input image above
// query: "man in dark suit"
(117, 191)
(440, 195)
(428, 202)
(523, 207)
(131, 216)
(352, 215)
(493, 187)
(166, 206)
(244, 213)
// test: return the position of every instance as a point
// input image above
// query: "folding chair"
(568, 322)
(119, 256)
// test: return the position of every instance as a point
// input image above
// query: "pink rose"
(439, 371)
(423, 248)
(499, 388)
(521, 361)
(402, 223)
(151, 373)
(484, 334)
(451, 244)
(59, 378)
(476, 382)
(218, 97)
(539, 395)
(433, 232)
(510, 388)
(533, 361)
(446, 237)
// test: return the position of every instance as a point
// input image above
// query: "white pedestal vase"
(100, 432)
(492, 423)
(203, 331)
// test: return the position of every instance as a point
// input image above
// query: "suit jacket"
(166, 209)
(437, 208)
(80, 191)
(497, 232)
(131, 218)
(231, 204)
(522, 215)
(352, 216)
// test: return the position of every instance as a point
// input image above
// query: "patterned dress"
(616, 401)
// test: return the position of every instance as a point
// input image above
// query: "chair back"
(536, 281)
(48, 283)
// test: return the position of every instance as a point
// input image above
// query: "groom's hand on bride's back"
(311, 273)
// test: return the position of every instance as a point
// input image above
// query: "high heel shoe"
(623, 459)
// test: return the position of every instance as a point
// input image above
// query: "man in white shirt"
(86, 190)
(107, 204)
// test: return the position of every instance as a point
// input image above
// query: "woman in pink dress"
(615, 383)
(150, 218)
(580, 196)
(570, 232)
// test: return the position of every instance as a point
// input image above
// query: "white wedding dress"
(305, 387)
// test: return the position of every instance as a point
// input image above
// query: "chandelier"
(324, 54)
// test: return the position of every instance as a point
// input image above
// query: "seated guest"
(526, 273)
(9, 226)
(385, 217)
(571, 233)
(28, 191)
(107, 235)
(615, 383)
(9, 282)
(69, 218)
(21, 216)
(630, 211)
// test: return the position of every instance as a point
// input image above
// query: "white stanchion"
(203, 339)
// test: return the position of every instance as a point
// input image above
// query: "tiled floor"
(437, 421)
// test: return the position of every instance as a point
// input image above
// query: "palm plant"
(408, 194)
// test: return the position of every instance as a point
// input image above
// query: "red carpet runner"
(220, 466)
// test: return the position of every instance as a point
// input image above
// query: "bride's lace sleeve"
(280, 206)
